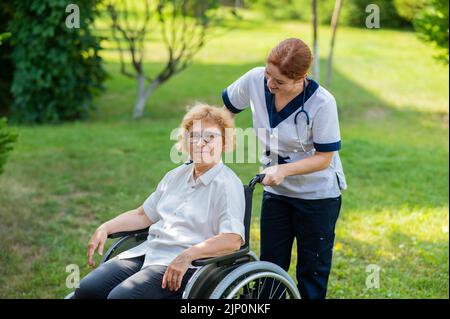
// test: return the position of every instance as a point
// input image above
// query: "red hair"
(292, 57)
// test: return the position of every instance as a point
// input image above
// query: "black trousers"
(124, 279)
(312, 223)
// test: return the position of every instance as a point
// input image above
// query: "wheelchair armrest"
(211, 260)
(129, 233)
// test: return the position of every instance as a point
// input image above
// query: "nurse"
(296, 121)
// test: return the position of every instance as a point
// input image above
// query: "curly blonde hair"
(217, 115)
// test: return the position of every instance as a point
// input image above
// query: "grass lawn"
(62, 181)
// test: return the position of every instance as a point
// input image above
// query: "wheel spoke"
(270, 293)
(262, 288)
(283, 293)
(270, 297)
(256, 286)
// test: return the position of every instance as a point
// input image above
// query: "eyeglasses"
(207, 137)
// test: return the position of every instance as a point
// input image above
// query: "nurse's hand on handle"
(277, 173)
(274, 175)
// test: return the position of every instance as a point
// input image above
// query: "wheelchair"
(239, 275)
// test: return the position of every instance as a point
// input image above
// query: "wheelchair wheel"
(256, 280)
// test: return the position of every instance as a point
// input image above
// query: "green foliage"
(432, 26)
(4, 36)
(57, 69)
(5, 73)
(408, 9)
(353, 12)
(6, 69)
(280, 10)
(7, 139)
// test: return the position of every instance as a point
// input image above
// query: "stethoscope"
(302, 110)
(299, 112)
(302, 107)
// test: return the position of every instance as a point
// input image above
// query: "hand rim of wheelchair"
(191, 290)
(246, 273)
(265, 275)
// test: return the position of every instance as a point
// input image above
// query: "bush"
(432, 26)
(57, 70)
(354, 14)
(6, 69)
(408, 9)
(7, 139)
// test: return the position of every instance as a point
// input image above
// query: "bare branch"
(113, 15)
(183, 25)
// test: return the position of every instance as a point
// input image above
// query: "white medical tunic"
(291, 135)
(186, 212)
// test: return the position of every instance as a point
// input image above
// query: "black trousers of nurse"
(312, 223)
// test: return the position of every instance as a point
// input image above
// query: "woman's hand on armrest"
(97, 241)
(218, 245)
(132, 220)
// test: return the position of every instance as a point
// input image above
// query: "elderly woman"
(196, 211)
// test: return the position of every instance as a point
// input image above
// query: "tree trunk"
(334, 24)
(143, 95)
(315, 47)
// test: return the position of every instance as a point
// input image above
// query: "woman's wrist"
(285, 170)
(104, 228)
(190, 254)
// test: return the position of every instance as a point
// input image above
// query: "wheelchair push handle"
(257, 179)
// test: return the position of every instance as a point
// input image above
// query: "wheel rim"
(262, 285)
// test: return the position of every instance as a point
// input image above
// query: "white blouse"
(186, 212)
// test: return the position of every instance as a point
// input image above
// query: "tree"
(334, 24)
(432, 26)
(315, 45)
(6, 69)
(57, 69)
(183, 25)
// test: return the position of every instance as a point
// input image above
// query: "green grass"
(62, 181)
